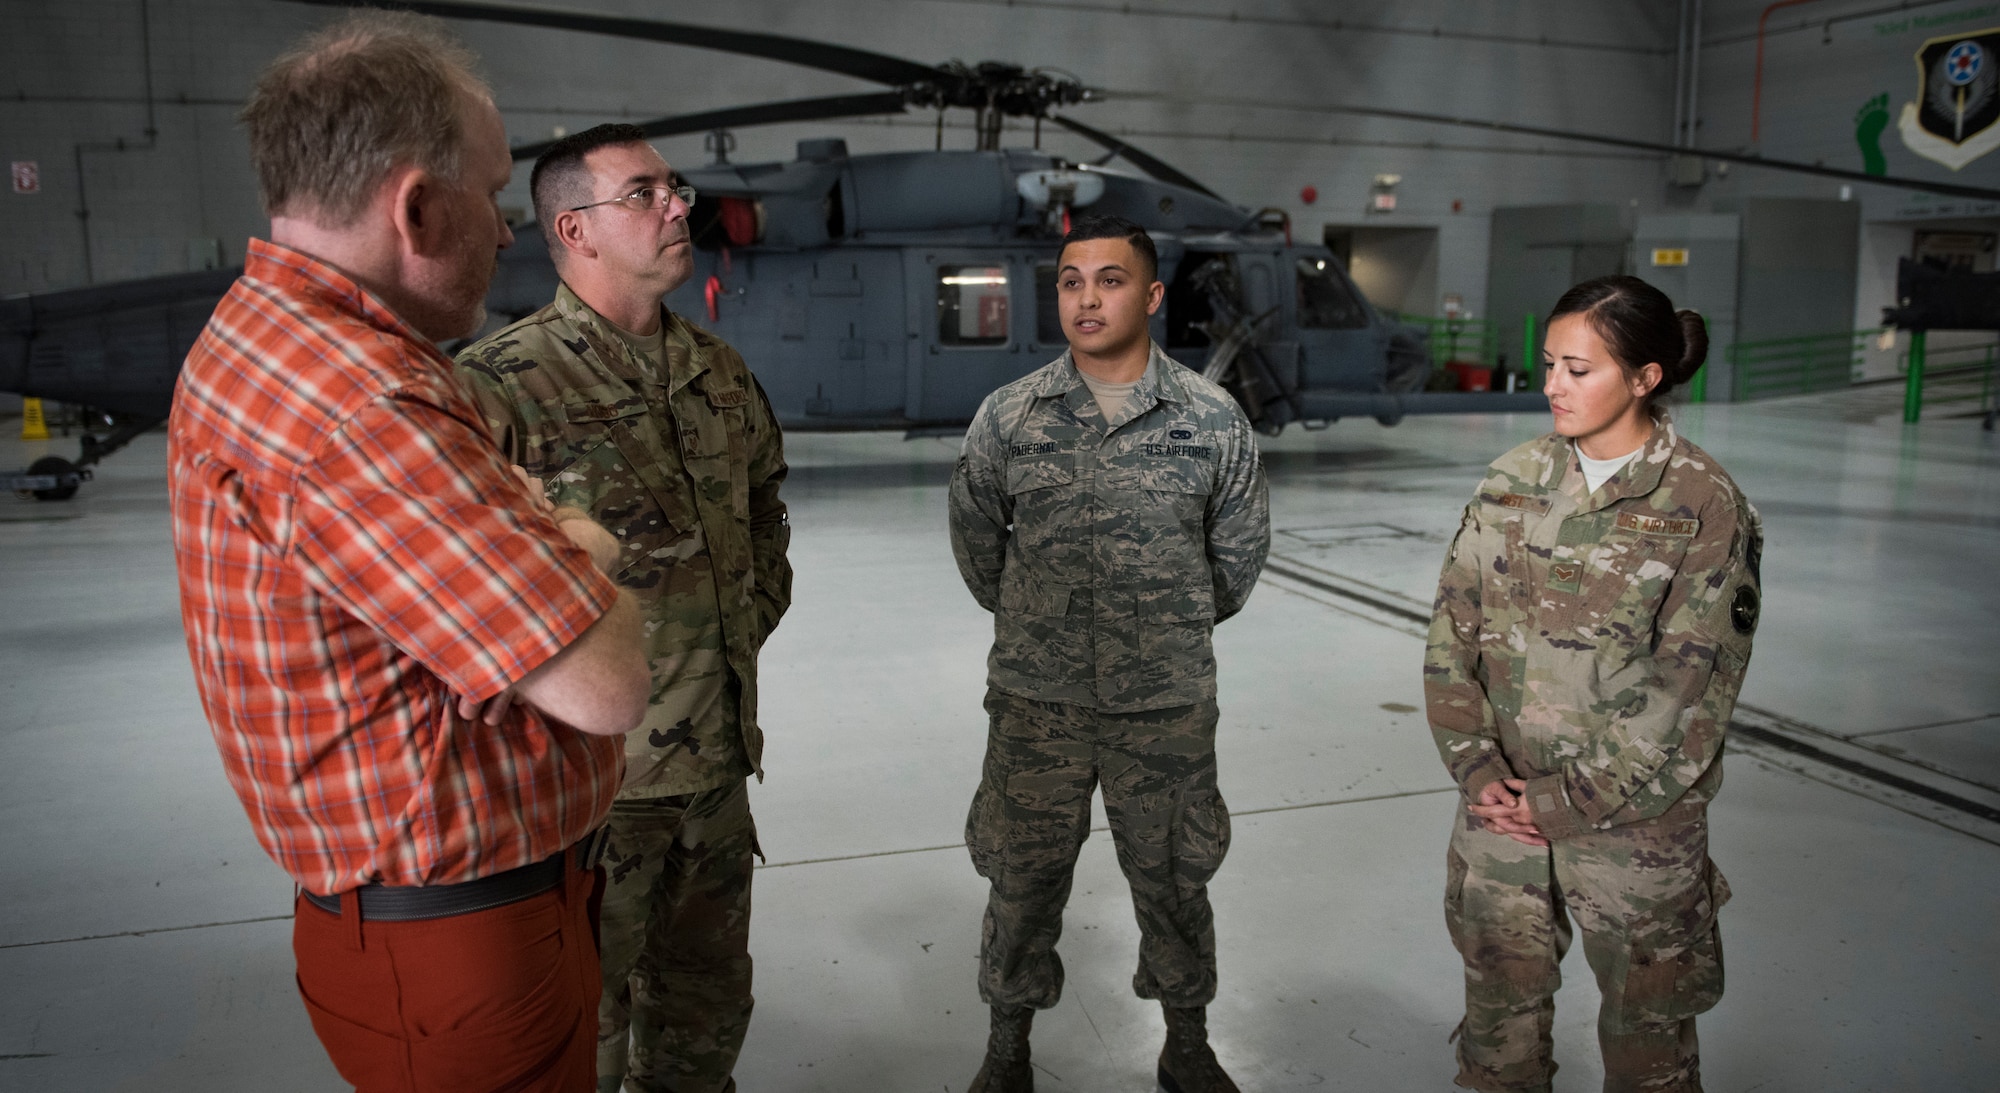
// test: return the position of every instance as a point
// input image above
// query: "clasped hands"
(601, 545)
(1503, 807)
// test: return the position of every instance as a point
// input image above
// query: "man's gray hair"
(352, 102)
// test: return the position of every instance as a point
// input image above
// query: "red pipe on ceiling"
(1757, 81)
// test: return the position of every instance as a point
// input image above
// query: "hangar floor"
(144, 941)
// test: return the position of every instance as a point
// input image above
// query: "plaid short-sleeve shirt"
(354, 553)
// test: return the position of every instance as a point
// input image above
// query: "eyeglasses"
(646, 197)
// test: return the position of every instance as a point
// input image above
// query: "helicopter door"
(971, 315)
(1260, 297)
(855, 325)
(1343, 348)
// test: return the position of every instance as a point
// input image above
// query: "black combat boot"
(1186, 1063)
(1006, 1069)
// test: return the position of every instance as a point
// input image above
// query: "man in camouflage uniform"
(1584, 660)
(658, 430)
(1109, 509)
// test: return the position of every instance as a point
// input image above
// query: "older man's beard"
(450, 303)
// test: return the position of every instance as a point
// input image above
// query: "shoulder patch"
(1743, 610)
(1658, 525)
(1536, 505)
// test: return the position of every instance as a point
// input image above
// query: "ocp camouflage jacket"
(1108, 551)
(1593, 644)
(684, 469)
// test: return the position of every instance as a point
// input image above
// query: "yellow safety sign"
(33, 425)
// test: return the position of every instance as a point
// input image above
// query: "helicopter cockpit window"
(972, 305)
(1325, 303)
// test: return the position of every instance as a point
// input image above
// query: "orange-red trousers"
(497, 1001)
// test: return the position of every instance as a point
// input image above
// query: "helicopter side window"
(972, 305)
(1048, 311)
(1325, 302)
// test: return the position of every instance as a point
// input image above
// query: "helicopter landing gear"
(62, 475)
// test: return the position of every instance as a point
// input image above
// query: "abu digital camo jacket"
(1594, 643)
(684, 469)
(1108, 551)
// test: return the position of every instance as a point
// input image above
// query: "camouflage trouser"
(1031, 815)
(1645, 897)
(676, 942)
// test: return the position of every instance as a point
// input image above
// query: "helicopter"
(880, 291)
(877, 291)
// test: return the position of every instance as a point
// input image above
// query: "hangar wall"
(1235, 94)
(1836, 80)
(1213, 93)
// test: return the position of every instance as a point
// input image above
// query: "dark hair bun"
(1694, 337)
(1640, 327)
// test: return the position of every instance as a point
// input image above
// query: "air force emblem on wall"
(1954, 118)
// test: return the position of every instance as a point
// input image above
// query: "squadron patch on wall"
(1956, 116)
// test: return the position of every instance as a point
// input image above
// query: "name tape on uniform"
(1658, 525)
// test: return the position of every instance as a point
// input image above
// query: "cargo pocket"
(1199, 841)
(985, 829)
(1455, 869)
(1175, 653)
(1670, 968)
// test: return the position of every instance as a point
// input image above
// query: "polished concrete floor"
(144, 938)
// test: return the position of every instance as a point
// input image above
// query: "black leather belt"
(406, 903)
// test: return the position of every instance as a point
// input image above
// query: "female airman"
(1590, 634)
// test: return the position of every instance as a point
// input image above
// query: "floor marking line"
(143, 933)
(1932, 725)
(1346, 801)
(1863, 770)
(1312, 595)
(1386, 608)
(1761, 735)
(1781, 723)
(1233, 813)
(766, 865)
(1806, 771)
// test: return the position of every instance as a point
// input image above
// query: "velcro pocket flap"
(1178, 603)
(1026, 597)
(580, 412)
(1024, 475)
(1168, 478)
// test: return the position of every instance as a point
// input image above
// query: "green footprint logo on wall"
(1869, 122)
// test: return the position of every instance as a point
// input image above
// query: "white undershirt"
(1595, 471)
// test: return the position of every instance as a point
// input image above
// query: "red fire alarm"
(1457, 206)
(1309, 195)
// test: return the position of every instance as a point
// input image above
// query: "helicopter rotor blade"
(770, 113)
(1747, 159)
(1152, 165)
(859, 63)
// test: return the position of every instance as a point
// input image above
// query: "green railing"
(1954, 378)
(1473, 341)
(1796, 366)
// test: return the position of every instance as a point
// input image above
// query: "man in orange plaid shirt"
(415, 670)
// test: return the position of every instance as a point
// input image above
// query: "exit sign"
(1670, 256)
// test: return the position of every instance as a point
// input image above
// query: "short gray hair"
(561, 181)
(331, 118)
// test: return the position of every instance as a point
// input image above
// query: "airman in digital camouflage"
(1591, 632)
(1109, 509)
(657, 429)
